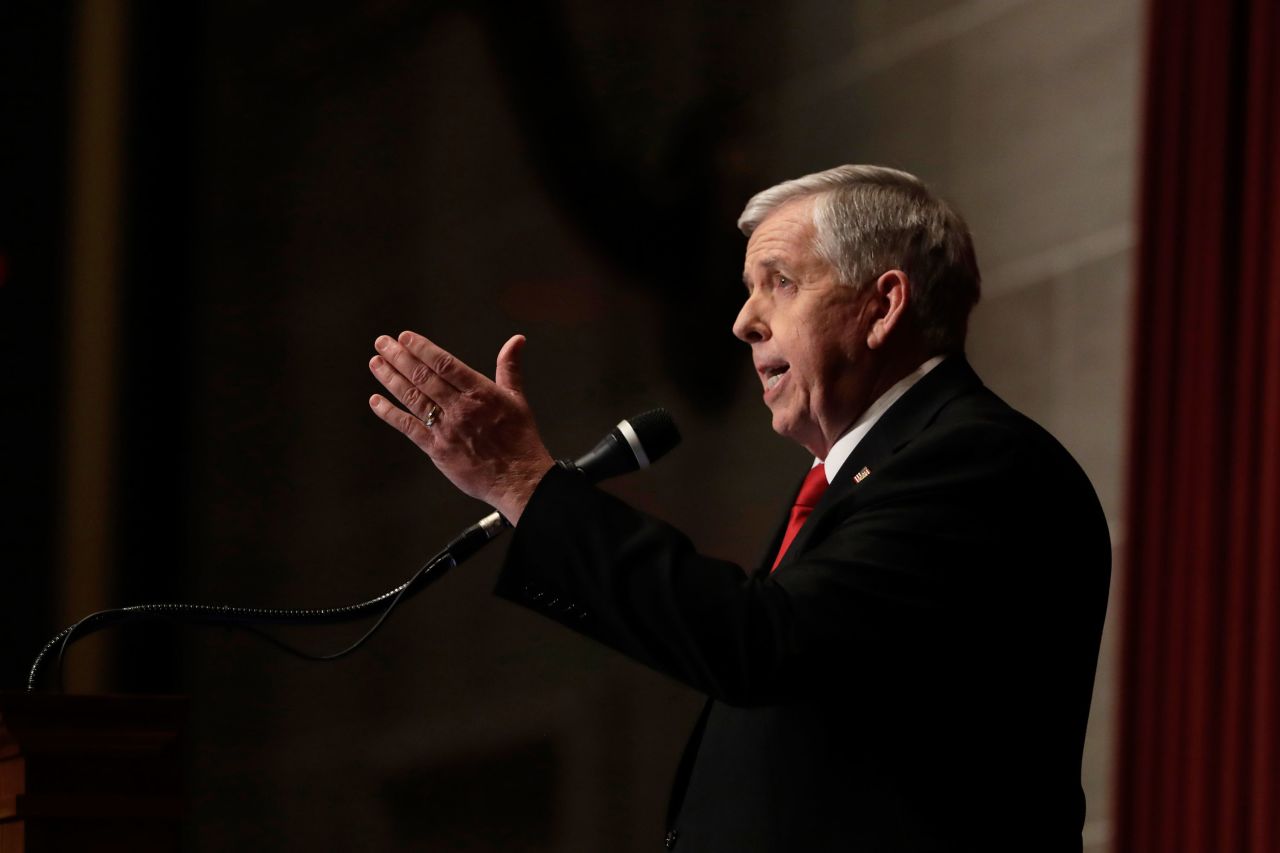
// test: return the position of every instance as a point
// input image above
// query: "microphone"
(636, 442)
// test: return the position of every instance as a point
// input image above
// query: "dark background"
(185, 377)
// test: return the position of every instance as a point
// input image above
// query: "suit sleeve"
(891, 572)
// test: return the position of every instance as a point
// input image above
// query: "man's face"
(808, 332)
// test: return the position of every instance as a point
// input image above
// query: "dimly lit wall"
(298, 183)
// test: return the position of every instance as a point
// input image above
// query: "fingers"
(414, 398)
(438, 362)
(402, 421)
(508, 374)
(418, 373)
(398, 360)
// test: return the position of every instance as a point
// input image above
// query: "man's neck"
(892, 370)
(845, 445)
(884, 373)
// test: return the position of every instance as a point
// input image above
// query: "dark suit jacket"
(915, 675)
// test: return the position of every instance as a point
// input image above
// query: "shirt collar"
(845, 445)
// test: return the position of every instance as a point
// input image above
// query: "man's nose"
(750, 325)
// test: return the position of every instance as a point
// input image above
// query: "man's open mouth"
(773, 375)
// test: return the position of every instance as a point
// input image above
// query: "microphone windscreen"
(657, 432)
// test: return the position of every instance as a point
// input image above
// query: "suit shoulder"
(984, 418)
(979, 435)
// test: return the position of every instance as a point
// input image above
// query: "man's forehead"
(769, 262)
(783, 231)
(783, 240)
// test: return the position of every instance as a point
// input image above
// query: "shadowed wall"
(298, 183)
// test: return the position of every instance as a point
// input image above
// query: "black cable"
(249, 618)
(297, 652)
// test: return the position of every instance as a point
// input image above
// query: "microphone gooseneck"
(633, 444)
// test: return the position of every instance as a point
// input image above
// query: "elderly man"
(910, 667)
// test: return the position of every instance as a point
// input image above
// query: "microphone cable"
(249, 618)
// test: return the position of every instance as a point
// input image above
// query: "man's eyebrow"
(771, 263)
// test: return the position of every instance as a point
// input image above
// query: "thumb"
(507, 374)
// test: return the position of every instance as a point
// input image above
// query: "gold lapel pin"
(862, 475)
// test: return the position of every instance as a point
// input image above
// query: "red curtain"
(1199, 751)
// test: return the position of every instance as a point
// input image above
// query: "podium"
(101, 773)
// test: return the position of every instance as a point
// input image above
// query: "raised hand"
(479, 433)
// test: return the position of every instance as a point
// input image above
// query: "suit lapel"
(896, 428)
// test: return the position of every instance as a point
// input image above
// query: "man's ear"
(891, 297)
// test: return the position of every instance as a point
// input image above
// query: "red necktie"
(815, 483)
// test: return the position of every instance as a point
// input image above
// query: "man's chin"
(784, 424)
(799, 430)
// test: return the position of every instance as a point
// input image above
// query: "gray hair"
(870, 219)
